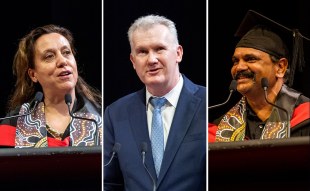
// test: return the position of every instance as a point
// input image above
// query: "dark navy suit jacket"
(184, 163)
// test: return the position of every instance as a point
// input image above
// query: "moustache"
(244, 74)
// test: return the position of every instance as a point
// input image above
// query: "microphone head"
(68, 99)
(233, 85)
(143, 146)
(264, 83)
(38, 97)
(116, 147)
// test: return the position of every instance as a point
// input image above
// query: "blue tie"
(157, 132)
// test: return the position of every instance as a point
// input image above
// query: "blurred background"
(83, 18)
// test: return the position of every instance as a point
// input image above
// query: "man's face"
(249, 67)
(155, 57)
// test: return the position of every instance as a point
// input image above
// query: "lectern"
(260, 165)
(51, 169)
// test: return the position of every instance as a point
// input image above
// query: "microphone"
(115, 149)
(232, 88)
(68, 100)
(264, 83)
(37, 99)
(143, 152)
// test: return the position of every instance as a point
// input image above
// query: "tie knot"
(158, 102)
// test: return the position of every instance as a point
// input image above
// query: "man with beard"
(264, 62)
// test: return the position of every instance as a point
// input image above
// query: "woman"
(45, 62)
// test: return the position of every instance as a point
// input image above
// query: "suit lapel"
(138, 124)
(187, 105)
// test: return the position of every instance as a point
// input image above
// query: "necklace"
(55, 133)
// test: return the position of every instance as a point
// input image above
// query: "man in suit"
(137, 163)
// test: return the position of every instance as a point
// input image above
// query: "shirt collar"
(172, 96)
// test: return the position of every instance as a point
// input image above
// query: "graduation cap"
(259, 32)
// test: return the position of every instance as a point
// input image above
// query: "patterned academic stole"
(232, 126)
(31, 129)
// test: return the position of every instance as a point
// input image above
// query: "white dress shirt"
(167, 110)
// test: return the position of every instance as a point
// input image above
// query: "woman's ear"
(32, 75)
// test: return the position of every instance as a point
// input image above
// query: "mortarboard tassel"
(297, 56)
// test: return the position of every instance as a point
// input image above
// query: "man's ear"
(281, 67)
(132, 61)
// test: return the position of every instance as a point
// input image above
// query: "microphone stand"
(264, 83)
(232, 88)
(143, 152)
(115, 149)
(68, 100)
(38, 98)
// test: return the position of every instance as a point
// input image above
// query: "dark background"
(224, 19)
(120, 78)
(83, 18)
